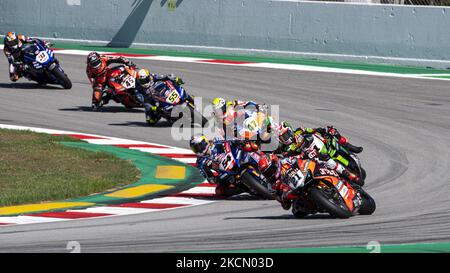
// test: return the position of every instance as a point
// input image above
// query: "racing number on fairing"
(42, 57)
(252, 124)
(173, 97)
(129, 82)
(224, 164)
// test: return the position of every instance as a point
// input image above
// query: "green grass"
(35, 168)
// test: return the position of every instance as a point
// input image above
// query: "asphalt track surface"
(403, 124)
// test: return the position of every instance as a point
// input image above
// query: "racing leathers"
(15, 56)
(241, 118)
(149, 94)
(211, 165)
(328, 133)
(310, 146)
(99, 78)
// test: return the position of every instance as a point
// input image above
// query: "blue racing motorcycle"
(240, 168)
(41, 66)
(167, 96)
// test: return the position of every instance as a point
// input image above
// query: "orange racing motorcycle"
(317, 189)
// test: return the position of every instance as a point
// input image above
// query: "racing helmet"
(285, 133)
(269, 165)
(219, 106)
(94, 61)
(144, 78)
(199, 144)
(12, 40)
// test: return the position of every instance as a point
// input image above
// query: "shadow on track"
(284, 217)
(105, 109)
(161, 124)
(27, 85)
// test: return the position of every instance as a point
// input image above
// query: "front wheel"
(62, 78)
(253, 183)
(331, 202)
(368, 205)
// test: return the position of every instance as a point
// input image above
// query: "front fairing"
(37, 56)
(167, 95)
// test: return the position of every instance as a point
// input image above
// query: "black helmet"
(94, 60)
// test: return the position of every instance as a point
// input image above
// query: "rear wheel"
(368, 205)
(330, 201)
(253, 183)
(62, 77)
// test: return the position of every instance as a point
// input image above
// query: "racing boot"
(352, 148)
(151, 114)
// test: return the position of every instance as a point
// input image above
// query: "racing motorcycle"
(315, 188)
(341, 154)
(253, 125)
(167, 96)
(122, 92)
(240, 168)
(41, 66)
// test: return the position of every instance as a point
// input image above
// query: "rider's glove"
(175, 79)
(332, 131)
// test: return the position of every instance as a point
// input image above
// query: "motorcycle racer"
(97, 69)
(146, 88)
(303, 144)
(288, 141)
(208, 159)
(210, 154)
(12, 49)
(227, 114)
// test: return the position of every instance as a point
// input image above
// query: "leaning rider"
(209, 156)
(299, 143)
(96, 70)
(226, 113)
(146, 88)
(13, 44)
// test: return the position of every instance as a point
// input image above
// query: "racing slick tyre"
(368, 205)
(64, 80)
(253, 183)
(363, 174)
(335, 206)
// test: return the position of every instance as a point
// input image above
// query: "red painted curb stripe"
(140, 146)
(70, 214)
(80, 136)
(5, 224)
(128, 54)
(224, 62)
(201, 195)
(150, 205)
(178, 155)
(206, 185)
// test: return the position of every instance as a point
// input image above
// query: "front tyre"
(62, 78)
(368, 205)
(330, 202)
(253, 183)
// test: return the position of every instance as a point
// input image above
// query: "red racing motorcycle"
(120, 88)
